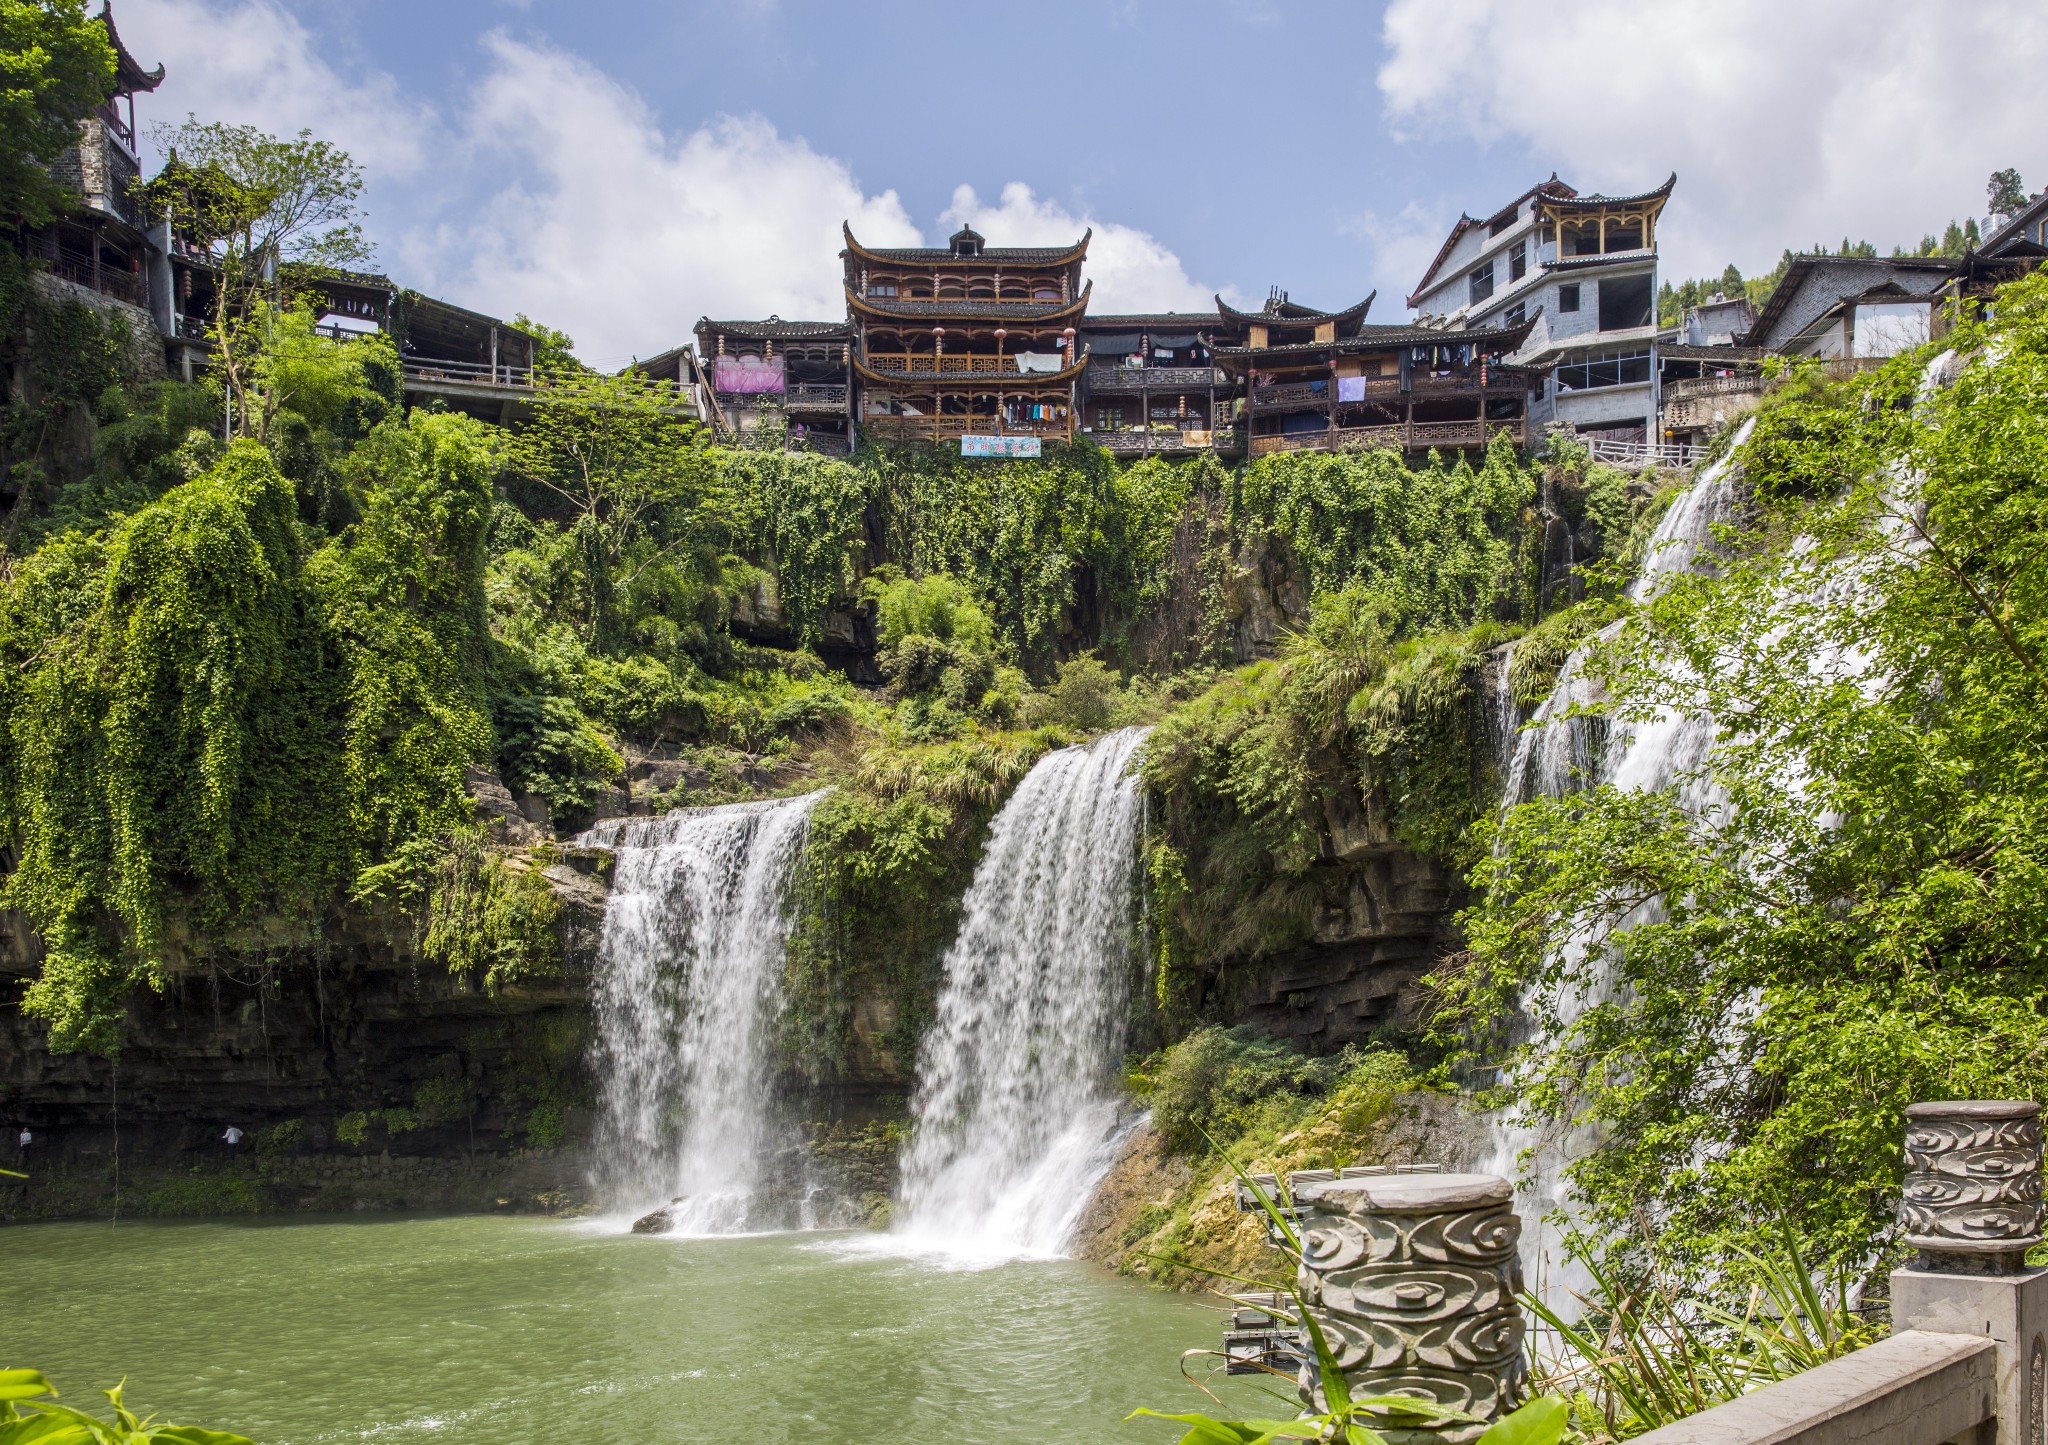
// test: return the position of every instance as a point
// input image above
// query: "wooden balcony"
(1131, 442)
(947, 428)
(1100, 378)
(1404, 436)
(924, 363)
(512, 378)
(800, 396)
(1693, 387)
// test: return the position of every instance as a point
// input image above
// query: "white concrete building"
(1584, 269)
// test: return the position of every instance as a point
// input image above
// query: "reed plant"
(1644, 1353)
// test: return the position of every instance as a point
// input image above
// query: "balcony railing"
(942, 428)
(920, 363)
(1129, 441)
(1642, 454)
(803, 395)
(1152, 378)
(126, 286)
(1407, 436)
(515, 378)
(1697, 386)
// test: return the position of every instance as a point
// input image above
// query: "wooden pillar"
(494, 356)
(95, 257)
(1603, 233)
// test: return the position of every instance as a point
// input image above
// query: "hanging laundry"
(1350, 388)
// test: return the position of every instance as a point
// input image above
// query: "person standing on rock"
(233, 1137)
(21, 1144)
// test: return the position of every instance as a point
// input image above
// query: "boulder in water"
(661, 1221)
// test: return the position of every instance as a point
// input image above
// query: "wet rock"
(659, 1221)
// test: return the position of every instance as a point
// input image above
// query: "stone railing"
(1412, 1276)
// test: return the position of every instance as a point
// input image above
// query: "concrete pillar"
(1972, 1207)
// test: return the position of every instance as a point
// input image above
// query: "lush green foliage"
(1437, 546)
(1862, 925)
(1646, 1354)
(55, 67)
(29, 1412)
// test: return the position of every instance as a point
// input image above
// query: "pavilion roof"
(942, 309)
(776, 329)
(129, 76)
(1282, 312)
(943, 255)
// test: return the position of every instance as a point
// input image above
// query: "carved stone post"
(1412, 1277)
(1972, 1206)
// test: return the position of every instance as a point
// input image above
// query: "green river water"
(511, 1331)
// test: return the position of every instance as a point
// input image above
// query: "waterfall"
(1558, 754)
(689, 975)
(1018, 1115)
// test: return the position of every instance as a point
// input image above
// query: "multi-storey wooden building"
(1152, 383)
(1323, 380)
(761, 377)
(965, 340)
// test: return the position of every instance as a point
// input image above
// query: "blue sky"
(621, 168)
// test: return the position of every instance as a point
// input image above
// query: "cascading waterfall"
(1017, 1111)
(689, 974)
(1557, 754)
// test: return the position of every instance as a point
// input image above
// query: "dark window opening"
(1624, 238)
(1611, 368)
(1516, 314)
(1518, 260)
(1624, 302)
(1568, 297)
(1504, 223)
(882, 288)
(1482, 283)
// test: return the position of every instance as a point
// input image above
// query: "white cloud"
(551, 188)
(1403, 244)
(249, 62)
(624, 236)
(1131, 269)
(1787, 123)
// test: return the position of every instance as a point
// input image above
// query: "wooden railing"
(1642, 454)
(1406, 436)
(1101, 377)
(1294, 393)
(1129, 441)
(803, 394)
(922, 363)
(121, 285)
(941, 428)
(517, 378)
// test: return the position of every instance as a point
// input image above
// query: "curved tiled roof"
(1287, 313)
(977, 310)
(129, 76)
(1371, 338)
(1150, 320)
(941, 255)
(776, 329)
(1573, 263)
(1563, 195)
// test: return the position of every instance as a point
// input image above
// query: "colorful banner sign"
(974, 446)
(747, 375)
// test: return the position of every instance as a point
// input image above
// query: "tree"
(621, 455)
(269, 211)
(1865, 922)
(2005, 193)
(56, 66)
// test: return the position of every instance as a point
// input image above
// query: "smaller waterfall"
(1017, 1111)
(690, 969)
(1558, 754)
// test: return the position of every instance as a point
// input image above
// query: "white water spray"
(689, 976)
(1559, 754)
(1017, 1111)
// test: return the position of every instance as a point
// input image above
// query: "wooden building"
(967, 339)
(791, 379)
(1152, 383)
(1323, 380)
(103, 243)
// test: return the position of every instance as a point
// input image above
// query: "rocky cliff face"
(360, 1075)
